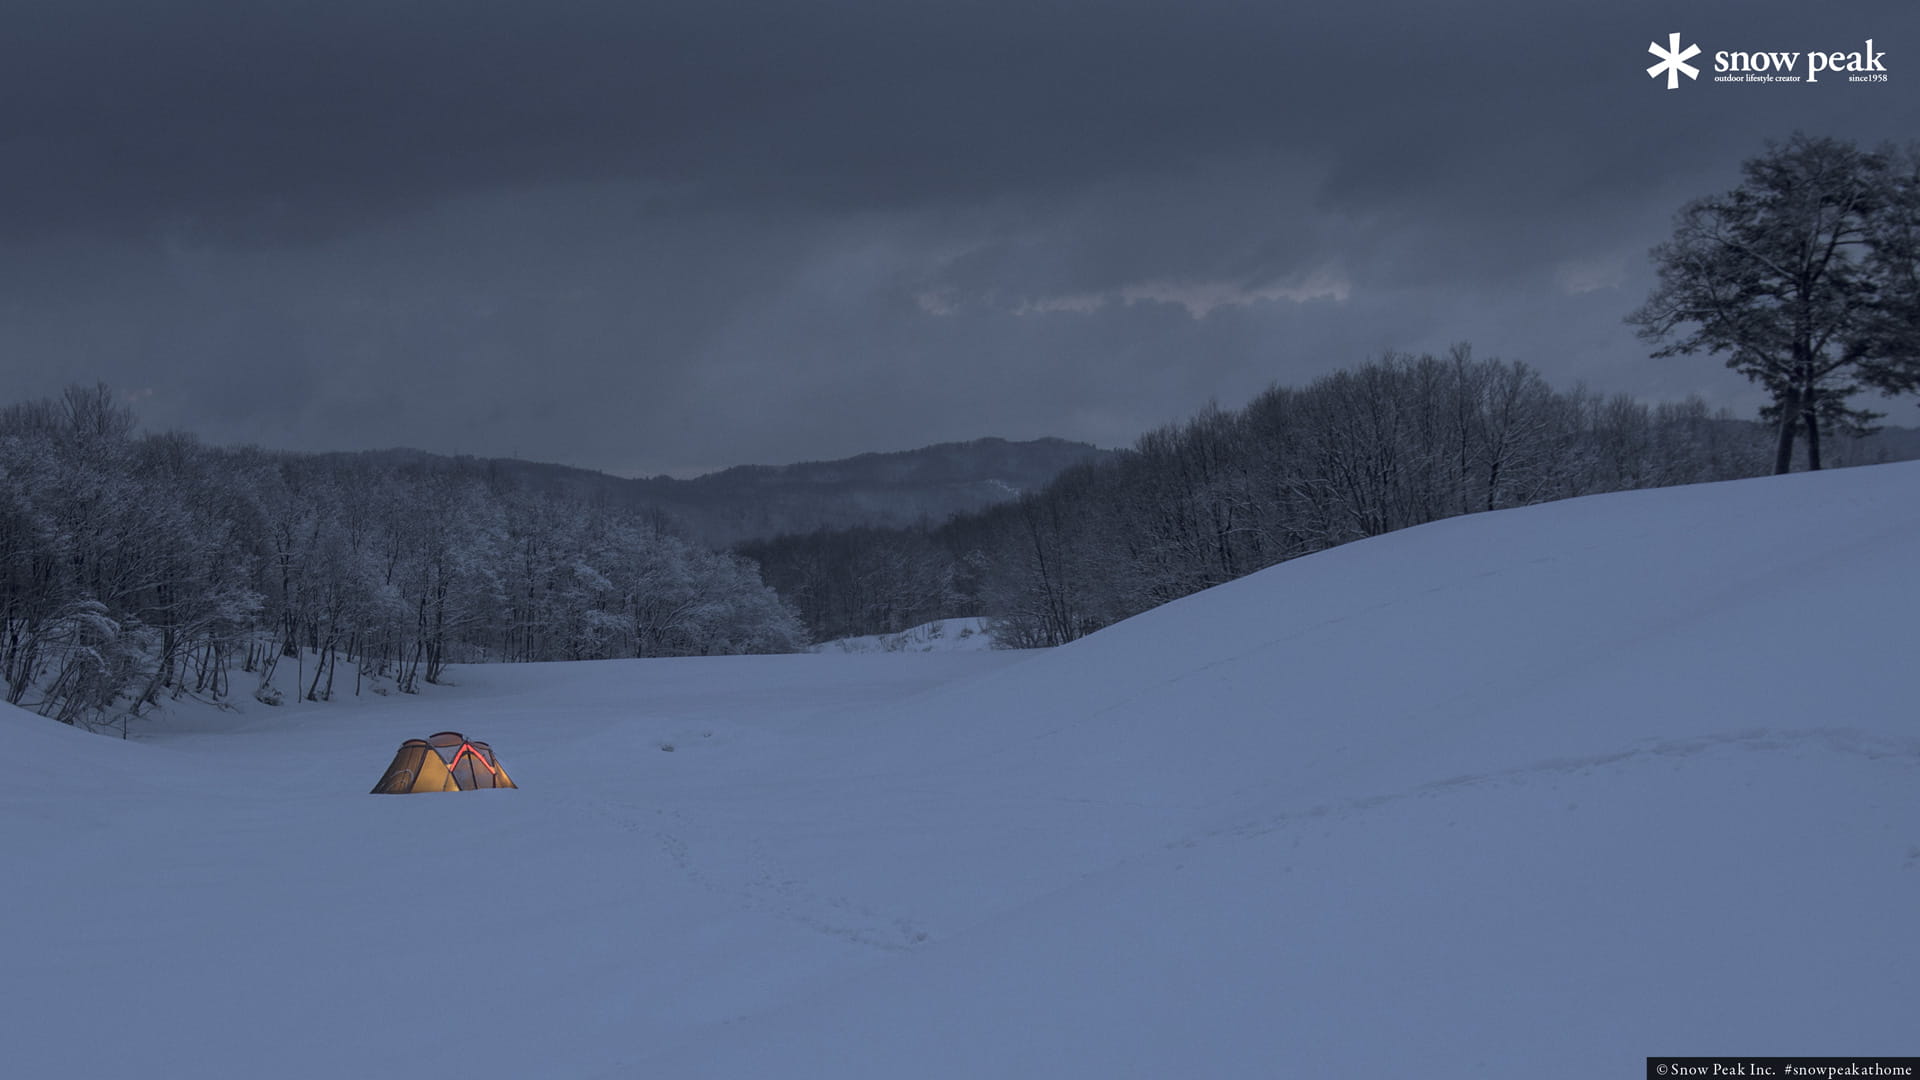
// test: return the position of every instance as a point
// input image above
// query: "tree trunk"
(1789, 423)
(1813, 440)
(319, 669)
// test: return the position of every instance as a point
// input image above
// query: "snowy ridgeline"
(1387, 445)
(1558, 787)
(941, 635)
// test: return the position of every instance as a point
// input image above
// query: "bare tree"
(1802, 278)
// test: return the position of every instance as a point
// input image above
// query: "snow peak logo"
(1862, 65)
(1673, 61)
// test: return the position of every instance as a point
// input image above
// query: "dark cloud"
(669, 236)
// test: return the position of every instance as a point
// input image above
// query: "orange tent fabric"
(448, 761)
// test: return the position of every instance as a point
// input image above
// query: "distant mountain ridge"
(893, 489)
(750, 502)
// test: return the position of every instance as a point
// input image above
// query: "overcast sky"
(674, 235)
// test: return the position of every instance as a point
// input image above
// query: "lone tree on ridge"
(1803, 277)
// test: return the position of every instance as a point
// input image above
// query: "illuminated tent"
(448, 761)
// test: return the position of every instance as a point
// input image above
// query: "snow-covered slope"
(1568, 785)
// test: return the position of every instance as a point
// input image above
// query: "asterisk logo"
(1673, 61)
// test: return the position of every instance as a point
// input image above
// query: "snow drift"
(1559, 787)
(941, 635)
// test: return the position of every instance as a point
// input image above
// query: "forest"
(137, 567)
(134, 568)
(1396, 442)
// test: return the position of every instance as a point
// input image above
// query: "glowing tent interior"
(448, 761)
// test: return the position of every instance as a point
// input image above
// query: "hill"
(749, 502)
(1577, 783)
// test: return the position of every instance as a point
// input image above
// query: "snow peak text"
(1784, 66)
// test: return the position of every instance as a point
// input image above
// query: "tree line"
(1400, 441)
(135, 567)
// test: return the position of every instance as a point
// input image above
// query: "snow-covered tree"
(135, 568)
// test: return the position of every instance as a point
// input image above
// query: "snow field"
(1556, 787)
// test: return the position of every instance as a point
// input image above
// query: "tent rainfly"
(448, 761)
